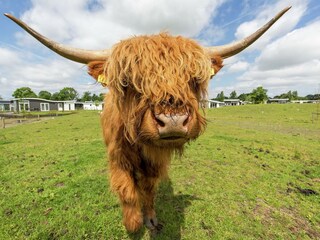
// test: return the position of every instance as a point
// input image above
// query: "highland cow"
(156, 85)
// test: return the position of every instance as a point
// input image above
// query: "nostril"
(185, 122)
(158, 120)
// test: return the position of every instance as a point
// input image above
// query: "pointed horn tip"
(286, 9)
(282, 12)
(8, 15)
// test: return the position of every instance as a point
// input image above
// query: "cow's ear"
(216, 64)
(97, 70)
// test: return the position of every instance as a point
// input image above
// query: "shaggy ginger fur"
(148, 76)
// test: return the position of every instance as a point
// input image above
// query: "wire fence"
(12, 119)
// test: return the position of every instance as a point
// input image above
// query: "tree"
(24, 92)
(313, 97)
(101, 96)
(233, 95)
(55, 96)
(245, 97)
(87, 97)
(98, 98)
(68, 93)
(291, 95)
(295, 95)
(95, 97)
(220, 96)
(259, 95)
(45, 95)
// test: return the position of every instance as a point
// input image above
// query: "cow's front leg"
(123, 183)
(148, 188)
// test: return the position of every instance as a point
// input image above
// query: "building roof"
(278, 99)
(232, 100)
(5, 101)
(215, 101)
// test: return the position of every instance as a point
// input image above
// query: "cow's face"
(158, 83)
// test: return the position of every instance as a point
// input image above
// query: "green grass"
(239, 180)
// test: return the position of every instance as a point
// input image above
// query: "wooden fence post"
(3, 122)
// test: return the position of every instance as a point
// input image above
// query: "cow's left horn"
(229, 50)
(74, 54)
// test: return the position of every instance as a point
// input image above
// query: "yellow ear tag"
(212, 72)
(101, 78)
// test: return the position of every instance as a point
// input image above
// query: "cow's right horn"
(74, 54)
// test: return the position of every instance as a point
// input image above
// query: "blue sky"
(285, 58)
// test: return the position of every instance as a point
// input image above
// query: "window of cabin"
(44, 107)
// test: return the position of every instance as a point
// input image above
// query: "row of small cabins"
(38, 104)
(236, 102)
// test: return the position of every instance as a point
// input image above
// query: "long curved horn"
(74, 54)
(231, 49)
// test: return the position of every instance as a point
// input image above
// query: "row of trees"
(259, 95)
(66, 93)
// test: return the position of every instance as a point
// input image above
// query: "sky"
(285, 58)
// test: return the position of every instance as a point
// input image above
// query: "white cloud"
(291, 63)
(50, 74)
(239, 66)
(7, 57)
(91, 24)
(74, 22)
(297, 47)
(179, 17)
(281, 27)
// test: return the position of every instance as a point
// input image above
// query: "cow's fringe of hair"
(145, 71)
(158, 66)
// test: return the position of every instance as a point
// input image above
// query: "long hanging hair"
(143, 71)
(157, 66)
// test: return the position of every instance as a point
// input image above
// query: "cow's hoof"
(154, 232)
(153, 225)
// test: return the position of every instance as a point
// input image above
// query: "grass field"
(254, 174)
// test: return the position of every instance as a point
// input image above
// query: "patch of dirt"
(306, 191)
(263, 211)
(296, 224)
(207, 228)
(8, 212)
(60, 184)
(47, 211)
(300, 223)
